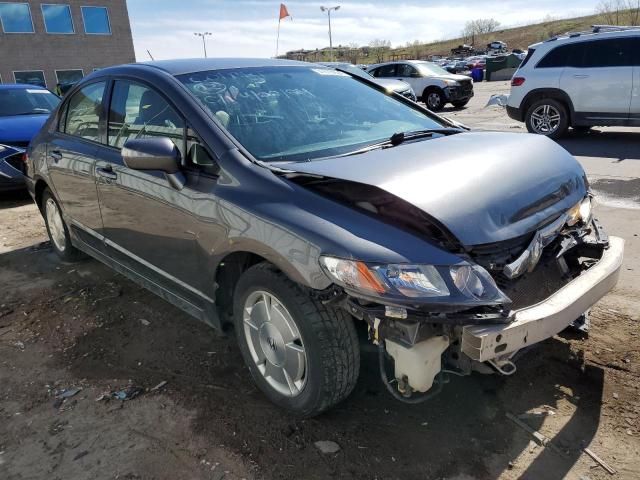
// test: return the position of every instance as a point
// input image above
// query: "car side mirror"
(156, 153)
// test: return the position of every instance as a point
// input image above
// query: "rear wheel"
(302, 354)
(57, 229)
(434, 99)
(547, 117)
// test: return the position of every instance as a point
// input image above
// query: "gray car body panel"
(495, 187)
(173, 242)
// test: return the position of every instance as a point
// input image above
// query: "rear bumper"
(514, 113)
(546, 319)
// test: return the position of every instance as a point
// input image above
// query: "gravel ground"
(82, 326)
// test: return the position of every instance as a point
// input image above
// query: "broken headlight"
(580, 213)
(414, 281)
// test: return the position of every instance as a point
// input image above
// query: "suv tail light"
(517, 81)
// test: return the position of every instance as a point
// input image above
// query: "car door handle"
(55, 155)
(580, 76)
(106, 172)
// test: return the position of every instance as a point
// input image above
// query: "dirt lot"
(66, 326)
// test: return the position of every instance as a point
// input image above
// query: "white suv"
(433, 84)
(579, 80)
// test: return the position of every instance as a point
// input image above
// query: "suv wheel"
(302, 354)
(547, 117)
(434, 99)
(57, 229)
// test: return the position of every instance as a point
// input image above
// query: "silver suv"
(579, 80)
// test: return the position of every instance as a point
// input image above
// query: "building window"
(69, 77)
(16, 18)
(96, 20)
(57, 18)
(31, 77)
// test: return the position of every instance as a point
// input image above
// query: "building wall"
(50, 52)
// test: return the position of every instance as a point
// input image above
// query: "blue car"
(23, 111)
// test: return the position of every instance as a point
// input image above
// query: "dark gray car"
(297, 203)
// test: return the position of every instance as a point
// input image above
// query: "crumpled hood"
(484, 187)
(453, 76)
(20, 128)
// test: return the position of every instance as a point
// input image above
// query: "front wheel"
(547, 117)
(57, 229)
(434, 99)
(302, 354)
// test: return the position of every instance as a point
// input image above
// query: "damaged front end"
(475, 315)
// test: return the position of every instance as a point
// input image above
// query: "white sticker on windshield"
(29, 90)
(329, 71)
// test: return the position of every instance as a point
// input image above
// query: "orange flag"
(284, 13)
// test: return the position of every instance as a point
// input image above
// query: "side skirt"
(206, 313)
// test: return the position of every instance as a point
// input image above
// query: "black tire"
(434, 99)
(461, 103)
(554, 106)
(63, 247)
(327, 334)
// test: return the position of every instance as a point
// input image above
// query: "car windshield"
(430, 69)
(26, 101)
(302, 113)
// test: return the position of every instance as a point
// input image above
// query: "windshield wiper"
(401, 137)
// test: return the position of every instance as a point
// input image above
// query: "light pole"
(328, 10)
(204, 45)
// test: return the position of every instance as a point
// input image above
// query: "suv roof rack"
(612, 28)
(595, 29)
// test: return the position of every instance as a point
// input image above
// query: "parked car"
(433, 85)
(23, 111)
(396, 86)
(579, 80)
(11, 169)
(297, 203)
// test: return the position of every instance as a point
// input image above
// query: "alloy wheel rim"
(433, 99)
(545, 119)
(275, 343)
(56, 227)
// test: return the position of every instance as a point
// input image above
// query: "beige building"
(48, 42)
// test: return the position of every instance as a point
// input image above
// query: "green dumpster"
(502, 67)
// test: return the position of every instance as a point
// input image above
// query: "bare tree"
(481, 26)
(353, 53)
(634, 12)
(378, 48)
(416, 48)
(612, 11)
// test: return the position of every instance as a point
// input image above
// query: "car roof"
(20, 86)
(190, 65)
(571, 37)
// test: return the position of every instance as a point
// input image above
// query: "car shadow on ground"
(618, 146)
(14, 199)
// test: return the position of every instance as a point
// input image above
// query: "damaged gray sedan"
(299, 203)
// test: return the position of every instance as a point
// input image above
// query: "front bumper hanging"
(549, 317)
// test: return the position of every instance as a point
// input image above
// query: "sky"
(247, 28)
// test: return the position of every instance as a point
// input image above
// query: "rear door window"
(613, 52)
(84, 110)
(138, 111)
(571, 55)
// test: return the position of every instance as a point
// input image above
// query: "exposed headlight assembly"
(451, 83)
(405, 281)
(581, 212)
